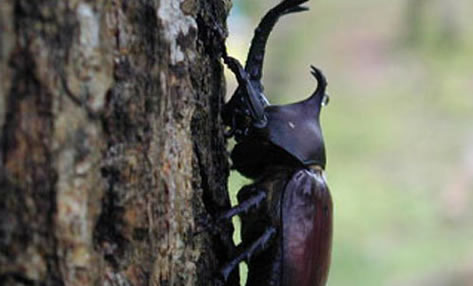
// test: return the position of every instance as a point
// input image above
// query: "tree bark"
(112, 145)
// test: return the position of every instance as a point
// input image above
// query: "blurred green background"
(398, 129)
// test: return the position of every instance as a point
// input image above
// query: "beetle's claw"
(235, 66)
(224, 273)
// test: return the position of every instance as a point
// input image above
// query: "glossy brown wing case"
(306, 213)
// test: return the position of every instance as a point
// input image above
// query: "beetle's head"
(292, 134)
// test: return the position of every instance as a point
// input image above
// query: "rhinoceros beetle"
(286, 213)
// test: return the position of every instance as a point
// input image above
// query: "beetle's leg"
(243, 207)
(252, 99)
(207, 223)
(259, 245)
(254, 61)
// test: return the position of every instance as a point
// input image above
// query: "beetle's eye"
(325, 99)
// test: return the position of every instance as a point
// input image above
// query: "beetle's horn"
(319, 97)
(321, 80)
(254, 62)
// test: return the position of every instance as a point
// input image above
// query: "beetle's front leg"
(259, 245)
(253, 102)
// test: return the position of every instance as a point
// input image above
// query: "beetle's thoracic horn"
(321, 80)
(319, 97)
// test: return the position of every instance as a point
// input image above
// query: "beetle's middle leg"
(253, 201)
(254, 197)
(260, 244)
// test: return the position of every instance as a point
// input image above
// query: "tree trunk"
(111, 143)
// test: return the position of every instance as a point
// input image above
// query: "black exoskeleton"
(287, 212)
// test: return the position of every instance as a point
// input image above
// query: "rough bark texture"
(111, 142)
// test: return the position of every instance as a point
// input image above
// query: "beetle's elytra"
(287, 212)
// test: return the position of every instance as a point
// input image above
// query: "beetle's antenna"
(254, 61)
